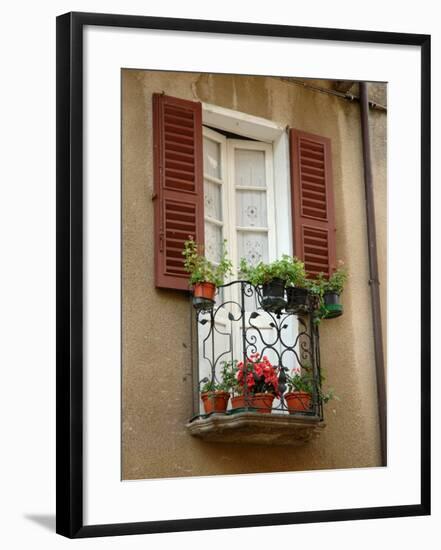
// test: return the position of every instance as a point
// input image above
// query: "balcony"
(255, 349)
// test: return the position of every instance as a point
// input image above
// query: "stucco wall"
(156, 355)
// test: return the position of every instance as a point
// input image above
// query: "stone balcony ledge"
(257, 428)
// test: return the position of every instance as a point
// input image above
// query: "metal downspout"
(373, 271)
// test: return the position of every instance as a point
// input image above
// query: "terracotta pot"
(238, 402)
(261, 401)
(298, 401)
(215, 401)
(204, 290)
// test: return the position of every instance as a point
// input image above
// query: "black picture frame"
(69, 294)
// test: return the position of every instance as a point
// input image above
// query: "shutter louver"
(178, 185)
(312, 202)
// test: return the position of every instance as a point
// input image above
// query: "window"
(238, 180)
(264, 196)
(247, 179)
(238, 207)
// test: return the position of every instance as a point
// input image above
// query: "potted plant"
(299, 395)
(301, 388)
(261, 380)
(296, 286)
(326, 293)
(272, 278)
(231, 374)
(316, 289)
(332, 291)
(204, 275)
(214, 396)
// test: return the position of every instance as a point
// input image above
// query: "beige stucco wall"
(156, 355)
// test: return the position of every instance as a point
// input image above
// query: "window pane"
(212, 200)
(213, 242)
(251, 209)
(212, 158)
(252, 246)
(249, 168)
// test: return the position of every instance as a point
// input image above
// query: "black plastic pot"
(331, 298)
(332, 305)
(203, 304)
(297, 299)
(273, 295)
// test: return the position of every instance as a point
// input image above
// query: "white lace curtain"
(250, 220)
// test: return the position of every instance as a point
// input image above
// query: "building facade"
(247, 127)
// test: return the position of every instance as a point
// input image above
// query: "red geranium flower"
(261, 376)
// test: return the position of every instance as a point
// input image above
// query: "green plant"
(316, 288)
(253, 274)
(305, 383)
(202, 270)
(227, 379)
(297, 382)
(209, 385)
(289, 269)
(295, 271)
(229, 376)
(335, 284)
(327, 395)
(337, 280)
(319, 286)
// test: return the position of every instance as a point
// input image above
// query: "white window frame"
(270, 137)
(228, 186)
(223, 181)
(234, 229)
(265, 130)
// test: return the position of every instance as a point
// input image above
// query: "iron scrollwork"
(239, 326)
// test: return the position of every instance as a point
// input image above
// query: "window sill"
(257, 428)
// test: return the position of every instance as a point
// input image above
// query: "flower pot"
(298, 401)
(215, 401)
(263, 402)
(204, 290)
(297, 299)
(260, 401)
(239, 401)
(203, 295)
(332, 306)
(273, 295)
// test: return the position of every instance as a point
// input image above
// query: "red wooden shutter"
(178, 185)
(312, 202)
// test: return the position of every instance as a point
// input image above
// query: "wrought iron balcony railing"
(243, 328)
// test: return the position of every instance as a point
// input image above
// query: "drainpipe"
(374, 281)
